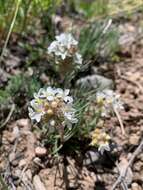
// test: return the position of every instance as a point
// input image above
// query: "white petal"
(59, 92)
(103, 147)
(50, 98)
(34, 115)
(66, 92)
(68, 99)
(52, 123)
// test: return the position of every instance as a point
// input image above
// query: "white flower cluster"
(53, 106)
(65, 48)
(108, 101)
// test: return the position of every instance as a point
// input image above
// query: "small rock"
(91, 157)
(40, 151)
(28, 174)
(3, 76)
(23, 123)
(19, 188)
(127, 39)
(22, 163)
(44, 78)
(134, 139)
(12, 157)
(137, 166)
(12, 61)
(136, 176)
(38, 183)
(96, 81)
(16, 173)
(140, 157)
(95, 70)
(14, 134)
(37, 160)
(135, 186)
(29, 72)
(131, 28)
(15, 131)
(15, 163)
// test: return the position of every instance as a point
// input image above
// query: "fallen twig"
(8, 117)
(123, 175)
(133, 82)
(120, 121)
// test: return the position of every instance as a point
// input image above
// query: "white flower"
(70, 116)
(53, 106)
(35, 115)
(78, 58)
(64, 95)
(108, 101)
(52, 123)
(65, 47)
(66, 39)
(103, 147)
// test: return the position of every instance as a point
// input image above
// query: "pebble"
(22, 163)
(136, 176)
(15, 132)
(19, 188)
(137, 166)
(28, 174)
(134, 139)
(37, 160)
(135, 186)
(40, 151)
(96, 81)
(17, 173)
(91, 157)
(23, 123)
(38, 183)
(12, 157)
(44, 78)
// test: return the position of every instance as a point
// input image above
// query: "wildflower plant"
(58, 115)
(53, 107)
(61, 118)
(107, 102)
(65, 55)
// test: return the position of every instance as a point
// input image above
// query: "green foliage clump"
(92, 8)
(95, 42)
(19, 84)
(28, 12)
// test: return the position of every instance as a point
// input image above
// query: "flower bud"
(50, 112)
(54, 104)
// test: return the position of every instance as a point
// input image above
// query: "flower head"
(65, 48)
(101, 140)
(108, 100)
(53, 106)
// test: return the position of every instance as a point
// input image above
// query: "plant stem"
(4, 186)
(10, 29)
